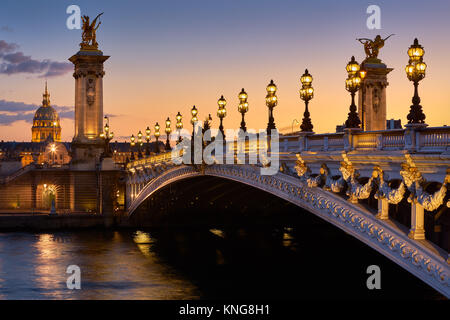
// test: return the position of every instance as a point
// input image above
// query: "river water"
(196, 264)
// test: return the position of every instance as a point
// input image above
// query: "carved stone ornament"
(90, 91)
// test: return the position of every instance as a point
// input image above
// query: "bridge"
(386, 188)
(357, 181)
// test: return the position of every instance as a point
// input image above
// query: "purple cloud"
(57, 69)
(6, 47)
(16, 57)
(6, 28)
(12, 111)
(14, 62)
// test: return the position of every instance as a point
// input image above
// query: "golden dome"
(46, 121)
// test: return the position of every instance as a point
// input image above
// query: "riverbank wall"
(50, 222)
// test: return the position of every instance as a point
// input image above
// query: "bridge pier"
(417, 231)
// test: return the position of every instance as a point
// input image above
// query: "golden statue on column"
(89, 39)
(372, 47)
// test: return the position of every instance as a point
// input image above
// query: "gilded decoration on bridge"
(412, 180)
(393, 196)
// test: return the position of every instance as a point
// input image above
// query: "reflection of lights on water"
(142, 237)
(287, 237)
(45, 245)
(49, 272)
(45, 237)
(144, 242)
(217, 232)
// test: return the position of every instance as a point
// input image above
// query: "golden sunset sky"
(169, 55)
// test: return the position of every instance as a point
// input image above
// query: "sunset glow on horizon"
(168, 56)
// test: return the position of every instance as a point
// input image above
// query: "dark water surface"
(263, 262)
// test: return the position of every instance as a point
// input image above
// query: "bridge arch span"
(414, 256)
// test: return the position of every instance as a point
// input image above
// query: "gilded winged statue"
(88, 37)
(372, 47)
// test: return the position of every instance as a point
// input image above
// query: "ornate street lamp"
(147, 137)
(140, 143)
(415, 70)
(157, 137)
(306, 94)
(107, 135)
(221, 113)
(168, 131)
(243, 107)
(194, 119)
(271, 102)
(352, 84)
(179, 125)
(362, 75)
(132, 144)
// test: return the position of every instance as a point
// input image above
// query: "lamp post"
(140, 143)
(194, 120)
(179, 125)
(362, 75)
(107, 135)
(147, 137)
(168, 131)
(306, 94)
(243, 107)
(415, 71)
(352, 84)
(221, 113)
(132, 144)
(157, 137)
(271, 102)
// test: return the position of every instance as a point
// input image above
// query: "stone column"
(87, 145)
(417, 231)
(303, 140)
(108, 195)
(372, 95)
(383, 209)
(349, 138)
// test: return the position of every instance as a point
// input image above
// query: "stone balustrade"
(435, 139)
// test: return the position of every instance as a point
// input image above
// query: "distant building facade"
(46, 148)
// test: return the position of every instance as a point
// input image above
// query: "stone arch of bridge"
(414, 256)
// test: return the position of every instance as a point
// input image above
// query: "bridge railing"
(154, 159)
(434, 139)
